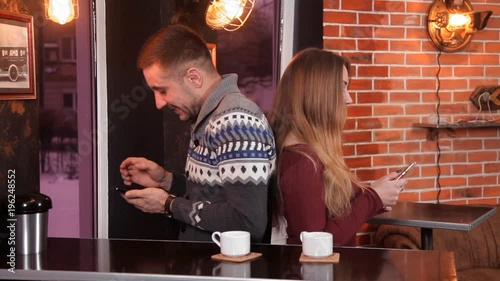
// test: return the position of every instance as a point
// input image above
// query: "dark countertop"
(102, 259)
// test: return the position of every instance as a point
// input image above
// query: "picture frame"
(17, 57)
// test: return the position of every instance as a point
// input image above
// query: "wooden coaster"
(333, 258)
(250, 256)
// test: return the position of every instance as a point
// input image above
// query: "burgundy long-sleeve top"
(305, 210)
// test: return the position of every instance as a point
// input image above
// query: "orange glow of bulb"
(61, 11)
(459, 20)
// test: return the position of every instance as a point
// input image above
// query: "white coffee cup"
(316, 244)
(233, 243)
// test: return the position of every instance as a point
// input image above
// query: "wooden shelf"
(451, 127)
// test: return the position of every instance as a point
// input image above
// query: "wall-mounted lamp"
(61, 11)
(451, 23)
(229, 15)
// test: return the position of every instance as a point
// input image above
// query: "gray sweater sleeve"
(178, 187)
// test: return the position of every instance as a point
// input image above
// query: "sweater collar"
(228, 85)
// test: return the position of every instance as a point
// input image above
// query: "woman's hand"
(388, 189)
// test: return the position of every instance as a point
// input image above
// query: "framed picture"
(17, 57)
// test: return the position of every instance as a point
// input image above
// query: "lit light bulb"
(459, 20)
(229, 15)
(225, 11)
(61, 11)
(233, 9)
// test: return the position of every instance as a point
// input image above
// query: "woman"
(318, 190)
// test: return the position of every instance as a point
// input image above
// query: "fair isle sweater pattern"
(236, 148)
(231, 158)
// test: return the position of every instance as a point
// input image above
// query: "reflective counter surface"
(428, 216)
(102, 259)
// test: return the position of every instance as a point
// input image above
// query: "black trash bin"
(32, 214)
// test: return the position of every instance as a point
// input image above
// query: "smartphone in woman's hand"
(406, 170)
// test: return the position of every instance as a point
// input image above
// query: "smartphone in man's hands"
(406, 170)
(122, 190)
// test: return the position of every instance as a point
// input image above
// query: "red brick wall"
(394, 85)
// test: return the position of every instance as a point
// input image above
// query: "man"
(231, 153)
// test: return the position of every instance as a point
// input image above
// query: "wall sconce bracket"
(451, 23)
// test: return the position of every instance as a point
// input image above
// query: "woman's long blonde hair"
(309, 104)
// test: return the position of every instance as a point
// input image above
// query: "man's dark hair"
(173, 46)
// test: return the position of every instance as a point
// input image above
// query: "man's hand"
(149, 200)
(144, 172)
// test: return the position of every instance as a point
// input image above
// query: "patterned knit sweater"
(231, 158)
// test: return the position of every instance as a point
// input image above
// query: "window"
(69, 100)
(50, 52)
(67, 161)
(67, 49)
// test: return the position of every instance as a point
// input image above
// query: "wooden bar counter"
(102, 259)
